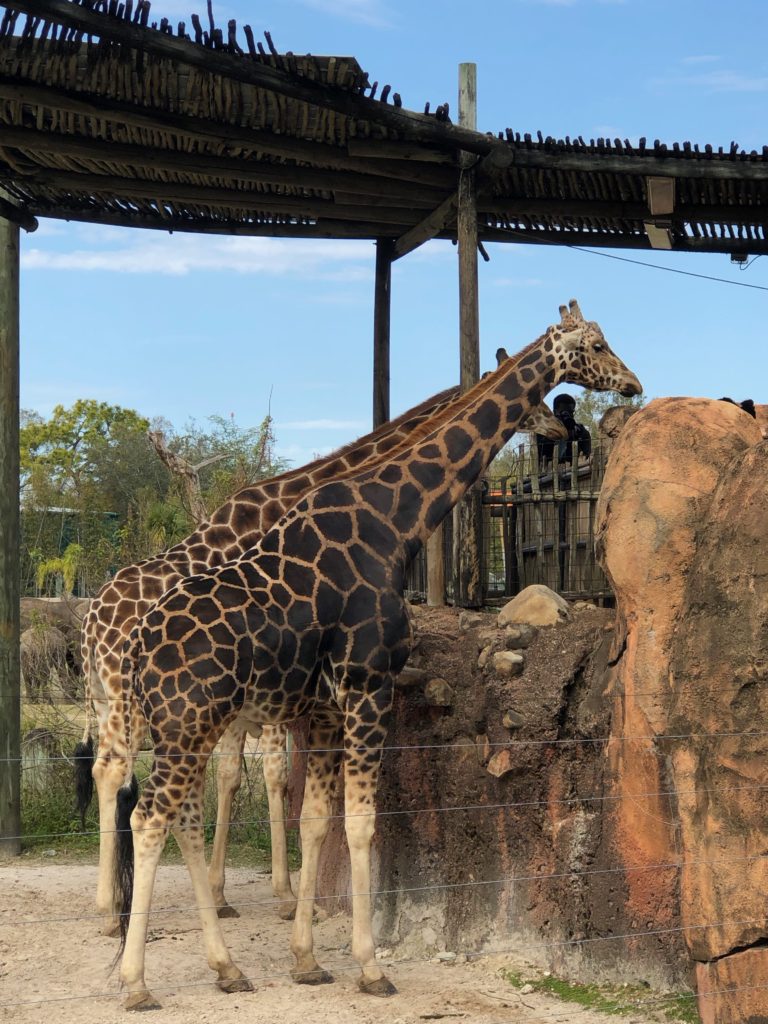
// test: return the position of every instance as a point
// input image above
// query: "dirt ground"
(54, 966)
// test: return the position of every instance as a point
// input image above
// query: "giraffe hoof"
(111, 930)
(286, 910)
(230, 985)
(316, 977)
(141, 1001)
(381, 987)
(226, 911)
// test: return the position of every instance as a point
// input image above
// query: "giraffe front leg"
(322, 769)
(188, 832)
(228, 776)
(364, 735)
(275, 767)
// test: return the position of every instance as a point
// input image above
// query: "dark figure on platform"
(564, 407)
(747, 405)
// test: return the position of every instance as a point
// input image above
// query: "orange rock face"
(681, 517)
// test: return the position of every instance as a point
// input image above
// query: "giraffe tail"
(83, 752)
(127, 799)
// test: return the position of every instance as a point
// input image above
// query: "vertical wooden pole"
(10, 675)
(467, 517)
(381, 322)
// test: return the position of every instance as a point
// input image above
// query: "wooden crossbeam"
(208, 132)
(250, 171)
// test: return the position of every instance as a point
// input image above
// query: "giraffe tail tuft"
(127, 798)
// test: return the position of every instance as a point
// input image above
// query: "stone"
(410, 676)
(537, 605)
(507, 663)
(482, 660)
(486, 637)
(500, 763)
(438, 693)
(519, 636)
(470, 620)
(512, 720)
(483, 748)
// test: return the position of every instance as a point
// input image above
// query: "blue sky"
(185, 327)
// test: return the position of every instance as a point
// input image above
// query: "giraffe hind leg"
(322, 770)
(188, 832)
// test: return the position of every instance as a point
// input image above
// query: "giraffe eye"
(598, 347)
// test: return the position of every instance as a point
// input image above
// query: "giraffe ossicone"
(312, 621)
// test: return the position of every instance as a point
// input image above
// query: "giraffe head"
(582, 355)
(541, 419)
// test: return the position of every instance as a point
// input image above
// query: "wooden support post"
(10, 675)
(467, 519)
(381, 321)
(436, 568)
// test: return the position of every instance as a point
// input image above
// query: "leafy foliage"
(96, 496)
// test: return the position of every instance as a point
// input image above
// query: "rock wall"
(680, 532)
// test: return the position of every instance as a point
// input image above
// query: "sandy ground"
(55, 967)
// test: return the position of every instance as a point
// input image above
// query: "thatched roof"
(107, 118)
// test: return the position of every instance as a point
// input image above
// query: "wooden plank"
(427, 228)
(17, 215)
(436, 568)
(381, 330)
(467, 522)
(10, 674)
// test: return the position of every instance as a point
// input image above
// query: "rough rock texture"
(537, 605)
(719, 672)
(613, 421)
(657, 542)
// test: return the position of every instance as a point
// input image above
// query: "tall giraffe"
(232, 529)
(312, 621)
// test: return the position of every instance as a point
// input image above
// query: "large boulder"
(718, 676)
(537, 605)
(656, 496)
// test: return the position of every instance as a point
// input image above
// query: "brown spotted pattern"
(121, 602)
(312, 621)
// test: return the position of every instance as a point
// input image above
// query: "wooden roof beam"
(17, 215)
(106, 185)
(215, 133)
(410, 125)
(670, 167)
(251, 171)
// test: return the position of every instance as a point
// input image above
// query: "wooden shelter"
(110, 119)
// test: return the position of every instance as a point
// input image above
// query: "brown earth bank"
(495, 814)
(53, 965)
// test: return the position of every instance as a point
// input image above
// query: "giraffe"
(233, 528)
(312, 621)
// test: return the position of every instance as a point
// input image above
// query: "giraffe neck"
(255, 509)
(425, 481)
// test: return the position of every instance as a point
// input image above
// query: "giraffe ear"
(501, 355)
(575, 311)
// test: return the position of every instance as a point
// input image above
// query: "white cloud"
(366, 12)
(716, 81)
(184, 254)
